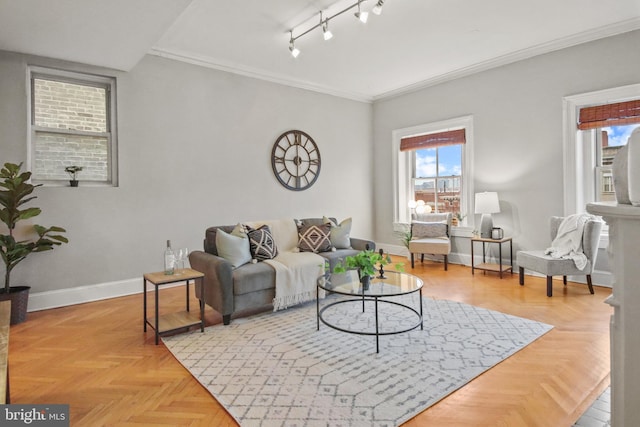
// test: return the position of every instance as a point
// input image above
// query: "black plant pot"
(19, 297)
(365, 280)
(73, 183)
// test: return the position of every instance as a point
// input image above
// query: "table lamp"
(486, 204)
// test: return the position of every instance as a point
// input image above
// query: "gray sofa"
(250, 287)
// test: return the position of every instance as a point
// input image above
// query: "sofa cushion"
(210, 237)
(340, 233)
(261, 243)
(252, 278)
(314, 238)
(234, 247)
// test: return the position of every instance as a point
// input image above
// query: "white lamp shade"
(412, 204)
(487, 202)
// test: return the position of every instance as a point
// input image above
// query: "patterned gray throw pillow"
(261, 243)
(314, 238)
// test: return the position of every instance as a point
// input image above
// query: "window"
(72, 122)
(586, 172)
(607, 142)
(433, 164)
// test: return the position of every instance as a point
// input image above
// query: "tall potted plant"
(15, 193)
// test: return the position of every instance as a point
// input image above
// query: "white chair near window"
(430, 234)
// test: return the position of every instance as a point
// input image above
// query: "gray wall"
(517, 112)
(194, 151)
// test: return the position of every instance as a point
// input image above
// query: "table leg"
(317, 307)
(511, 254)
(377, 330)
(157, 316)
(421, 315)
(201, 301)
(144, 312)
(500, 257)
(188, 293)
(472, 263)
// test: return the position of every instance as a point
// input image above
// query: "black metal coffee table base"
(376, 299)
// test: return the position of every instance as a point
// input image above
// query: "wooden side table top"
(490, 240)
(5, 318)
(159, 278)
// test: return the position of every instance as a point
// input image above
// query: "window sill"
(456, 231)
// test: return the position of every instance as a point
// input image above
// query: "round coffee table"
(393, 284)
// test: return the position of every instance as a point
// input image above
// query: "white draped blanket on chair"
(568, 241)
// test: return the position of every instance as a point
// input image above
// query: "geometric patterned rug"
(276, 369)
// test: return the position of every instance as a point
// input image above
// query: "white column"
(623, 250)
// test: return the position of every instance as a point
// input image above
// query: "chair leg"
(226, 319)
(549, 286)
(590, 284)
(422, 258)
(446, 262)
(412, 260)
(521, 276)
(564, 280)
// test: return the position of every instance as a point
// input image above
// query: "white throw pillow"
(234, 247)
(339, 237)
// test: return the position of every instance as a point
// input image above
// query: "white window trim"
(34, 71)
(401, 162)
(574, 156)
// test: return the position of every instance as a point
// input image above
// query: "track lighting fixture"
(324, 23)
(377, 9)
(292, 47)
(326, 32)
(362, 16)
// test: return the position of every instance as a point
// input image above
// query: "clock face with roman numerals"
(295, 160)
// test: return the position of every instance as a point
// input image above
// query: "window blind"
(620, 113)
(433, 140)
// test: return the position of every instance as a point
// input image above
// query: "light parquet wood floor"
(96, 358)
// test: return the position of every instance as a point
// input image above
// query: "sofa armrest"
(361, 244)
(217, 283)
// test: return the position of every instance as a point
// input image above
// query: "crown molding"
(242, 70)
(540, 49)
(554, 45)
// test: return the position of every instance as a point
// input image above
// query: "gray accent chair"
(537, 260)
(430, 235)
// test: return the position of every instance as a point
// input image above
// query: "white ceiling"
(412, 44)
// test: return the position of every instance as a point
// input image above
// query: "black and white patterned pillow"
(314, 238)
(261, 243)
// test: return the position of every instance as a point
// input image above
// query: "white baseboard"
(599, 277)
(82, 294)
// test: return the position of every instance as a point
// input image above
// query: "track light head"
(292, 47)
(326, 33)
(377, 9)
(362, 16)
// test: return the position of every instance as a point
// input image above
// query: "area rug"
(276, 369)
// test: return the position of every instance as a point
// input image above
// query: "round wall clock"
(295, 160)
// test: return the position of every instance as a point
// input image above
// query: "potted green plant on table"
(73, 173)
(15, 192)
(365, 262)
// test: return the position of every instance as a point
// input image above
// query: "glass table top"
(348, 283)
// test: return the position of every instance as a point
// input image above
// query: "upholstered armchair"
(430, 235)
(541, 262)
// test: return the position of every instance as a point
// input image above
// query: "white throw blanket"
(568, 241)
(296, 277)
(296, 272)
